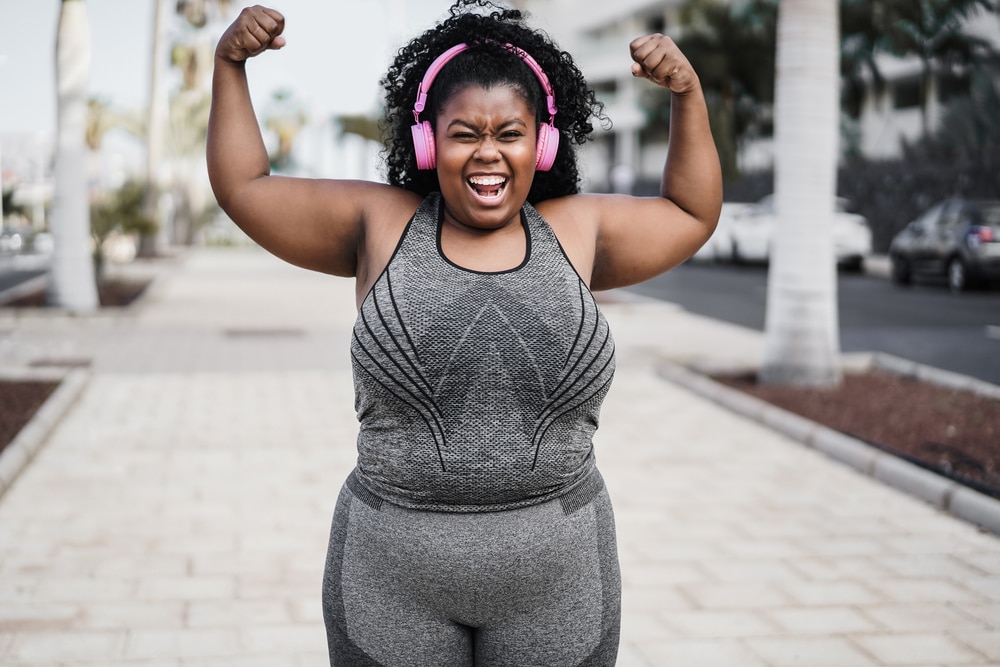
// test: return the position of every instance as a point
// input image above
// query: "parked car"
(23, 239)
(11, 241)
(752, 235)
(957, 239)
(719, 247)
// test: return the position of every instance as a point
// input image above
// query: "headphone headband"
(449, 55)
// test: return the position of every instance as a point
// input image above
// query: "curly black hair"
(488, 63)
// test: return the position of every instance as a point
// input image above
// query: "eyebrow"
(463, 123)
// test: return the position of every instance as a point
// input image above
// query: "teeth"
(487, 180)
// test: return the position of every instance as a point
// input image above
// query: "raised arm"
(639, 238)
(312, 223)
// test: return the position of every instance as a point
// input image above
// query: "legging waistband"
(576, 498)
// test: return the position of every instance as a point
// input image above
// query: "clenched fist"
(658, 59)
(255, 30)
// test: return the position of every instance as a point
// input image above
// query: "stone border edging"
(29, 440)
(943, 493)
(938, 376)
(21, 289)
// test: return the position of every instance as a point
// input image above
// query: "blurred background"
(920, 107)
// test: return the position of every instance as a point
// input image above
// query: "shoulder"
(574, 220)
(387, 212)
(577, 215)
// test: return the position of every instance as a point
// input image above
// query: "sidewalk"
(177, 516)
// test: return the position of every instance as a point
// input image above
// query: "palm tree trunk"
(802, 344)
(926, 83)
(151, 243)
(72, 283)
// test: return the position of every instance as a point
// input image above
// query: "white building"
(598, 35)
(893, 116)
(598, 32)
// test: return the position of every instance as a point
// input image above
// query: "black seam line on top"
(429, 406)
(392, 336)
(538, 444)
(558, 401)
(399, 245)
(419, 407)
(549, 413)
(567, 369)
(424, 391)
(561, 385)
(399, 318)
(579, 332)
(416, 409)
(559, 245)
(524, 262)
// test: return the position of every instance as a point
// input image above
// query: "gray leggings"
(531, 587)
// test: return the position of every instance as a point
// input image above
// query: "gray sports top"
(477, 391)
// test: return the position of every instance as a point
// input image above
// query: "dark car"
(957, 239)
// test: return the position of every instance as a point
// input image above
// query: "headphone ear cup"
(423, 145)
(548, 146)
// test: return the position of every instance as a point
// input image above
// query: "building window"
(951, 86)
(906, 93)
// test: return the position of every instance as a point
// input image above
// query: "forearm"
(236, 151)
(692, 175)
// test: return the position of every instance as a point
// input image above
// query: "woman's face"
(485, 143)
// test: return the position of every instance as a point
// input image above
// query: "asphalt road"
(18, 269)
(924, 323)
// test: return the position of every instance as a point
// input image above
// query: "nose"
(488, 150)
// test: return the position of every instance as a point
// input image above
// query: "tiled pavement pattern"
(178, 515)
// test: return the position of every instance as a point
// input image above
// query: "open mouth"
(488, 186)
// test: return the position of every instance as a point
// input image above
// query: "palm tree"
(150, 244)
(187, 118)
(286, 117)
(731, 46)
(72, 282)
(801, 342)
(931, 30)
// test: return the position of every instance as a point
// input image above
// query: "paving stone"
(178, 515)
(704, 624)
(917, 648)
(831, 593)
(828, 621)
(707, 653)
(814, 652)
(921, 616)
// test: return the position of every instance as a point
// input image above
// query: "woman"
(476, 529)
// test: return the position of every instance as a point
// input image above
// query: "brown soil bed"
(953, 432)
(111, 293)
(20, 401)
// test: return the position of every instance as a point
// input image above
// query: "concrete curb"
(24, 288)
(937, 376)
(945, 494)
(29, 440)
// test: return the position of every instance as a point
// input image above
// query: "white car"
(719, 248)
(751, 235)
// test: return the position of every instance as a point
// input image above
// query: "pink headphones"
(423, 133)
